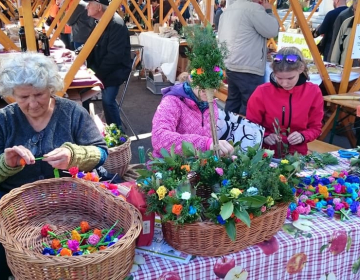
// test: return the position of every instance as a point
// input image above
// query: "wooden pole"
(57, 18)
(161, 11)
(177, 12)
(208, 10)
(4, 19)
(127, 9)
(313, 10)
(7, 43)
(90, 43)
(44, 15)
(210, 99)
(149, 10)
(312, 46)
(348, 60)
(199, 12)
(25, 10)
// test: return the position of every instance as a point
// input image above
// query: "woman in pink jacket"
(183, 115)
(289, 98)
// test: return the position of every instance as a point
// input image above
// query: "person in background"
(110, 59)
(245, 28)
(41, 125)
(186, 14)
(183, 115)
(81, 25)
(166, 9)
(326, 27)
(218, 12)
(289, 98)
(347, 13)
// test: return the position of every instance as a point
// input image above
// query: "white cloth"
(160, 52)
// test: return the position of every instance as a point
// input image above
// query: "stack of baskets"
(64, 203)
(209, 240)
(119, 158)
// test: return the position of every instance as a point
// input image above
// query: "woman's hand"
(15, 154)
(58, 158)
(295, 138)
(272, 139)
(225, 148)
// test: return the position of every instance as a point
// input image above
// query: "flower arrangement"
(113, 136)
(206, 56)
(79, 241)
(337, 194)
(243, 186)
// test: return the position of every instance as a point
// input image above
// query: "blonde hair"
(183, 77)
(29, 69)
(284, 66)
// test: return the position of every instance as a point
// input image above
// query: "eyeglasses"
(289, 58)
(33, 142)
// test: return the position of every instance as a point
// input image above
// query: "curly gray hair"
(32, 69)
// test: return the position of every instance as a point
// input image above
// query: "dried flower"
(220, 220)
(192, 210)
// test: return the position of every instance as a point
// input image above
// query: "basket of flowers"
(119, 145)
(67, 229)
(247, 205)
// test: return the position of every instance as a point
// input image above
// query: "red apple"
(169, 275)
(296, 263)
(269, 246)
(338, 242)
(223, 265)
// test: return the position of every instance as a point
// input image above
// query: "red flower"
(151, 192)
(73, 171)
(237, 220)
(112, 187)
(295, 215)
(84, 226)
(343, 189)
(265, 155)
(44, 230)
(346, 205)
(341, 175)
(310, 202)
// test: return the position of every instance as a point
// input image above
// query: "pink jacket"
(179, 119)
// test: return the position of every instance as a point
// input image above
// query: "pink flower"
(345, 172)
(339, 206)
(93, 239)
(263, 208)
(336, 200)
(331, 179)
(288, 214)
(337, 189)
(303, 198)
(217, 69)
(233, 158)
(300, 209)
(172, 193)
(44, 230)
(73, 245)
(307, 209)
(151, 192)
(219, 171)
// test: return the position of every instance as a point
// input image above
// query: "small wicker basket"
(208, 239)
(119, 158)
(64, 203)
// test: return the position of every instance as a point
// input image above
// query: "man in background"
(244, 27)
(110, 59)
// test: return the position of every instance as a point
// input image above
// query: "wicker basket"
(119, 158)
(209, 239)
(64, 203)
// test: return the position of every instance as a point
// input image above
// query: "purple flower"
(339, 206)
(115, 192)
(330, 211)
(81, 174)
(120, 236)
(303, 198)
(336, 200)
(337, 188)
(122, 139)
(219, 171)
(217, 69)
(111, 233)
(73, 245)
(48, 251)
(331, 179)
(220, 220)
(288, 214)
(93, 239)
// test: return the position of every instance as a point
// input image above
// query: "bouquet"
(113, 136)
(243, 186)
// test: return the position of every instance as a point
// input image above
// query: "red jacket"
(300, 109)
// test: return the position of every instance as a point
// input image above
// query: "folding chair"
(121, 101)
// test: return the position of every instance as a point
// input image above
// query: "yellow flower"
(161, 191)
(316, 200)
(284, 161)
(75, 235)
(235, 192)
(311, 188)
(269, 201)
(186, 167)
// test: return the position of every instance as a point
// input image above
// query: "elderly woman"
(42, 125)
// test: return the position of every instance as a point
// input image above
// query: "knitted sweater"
(69, 123)
(178, 119)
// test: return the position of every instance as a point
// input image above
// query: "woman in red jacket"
(288, 104)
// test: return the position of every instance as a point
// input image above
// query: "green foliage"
(205, 54)
(114, 136)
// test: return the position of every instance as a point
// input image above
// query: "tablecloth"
(160, 52)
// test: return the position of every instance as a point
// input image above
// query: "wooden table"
(345, 109)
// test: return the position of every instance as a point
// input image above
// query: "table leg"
(334, 124)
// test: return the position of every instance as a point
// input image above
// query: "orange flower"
(203, 162)
(55, 244)
(176, 209)
(282, 178)
(88, 176)
(102, 247)
(75, 235)
(199, 71)
(92, 249)
(335, 174)
(22, 162)
(95, 179)
(84, 226)
(102, 186)
(251, 215)
(97, 232)
(65, 252)
(186, 167)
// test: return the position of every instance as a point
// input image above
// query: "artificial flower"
(225, 182)
(282, 178)
(192, 210)
(161, 191)
(48, 251)
(176, 209)
(220, 220)
(84, 226)
(219, 171)
(263, 208)
(199, 71)
(73, 245)
(252, 191)
(186, 167)
(93, 239)
(265, 155)
(295, 215)
(150, 192)
(158, 175)
(185, 195)
(217, 69)
(55, 244)
(284, 161)
(73, 171)
(172, 193)
(235, 192)
(98, 232)
(75, 235)
(44, 230)
(65, 252)
(270, 201)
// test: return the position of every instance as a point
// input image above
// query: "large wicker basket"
(209, 239)
(119, 158)
(64, 203)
